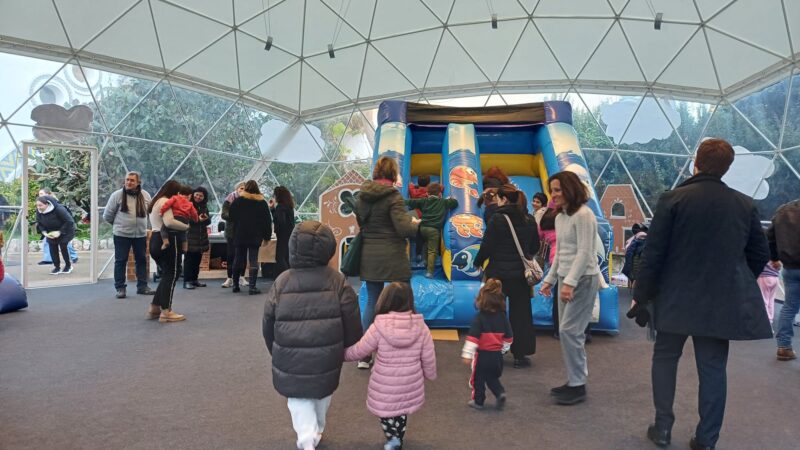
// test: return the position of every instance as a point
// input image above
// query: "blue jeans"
(791, 305)
(374, 289)
(122, 247)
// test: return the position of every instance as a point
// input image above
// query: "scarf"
(136, 192)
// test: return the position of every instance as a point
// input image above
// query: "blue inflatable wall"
(12, 295)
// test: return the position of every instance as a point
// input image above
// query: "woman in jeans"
(506, 265)
(167, 258)
(577, 274)
(385, 225)
(251, 214)
(197, 239)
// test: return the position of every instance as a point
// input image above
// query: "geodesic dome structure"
(284, 91)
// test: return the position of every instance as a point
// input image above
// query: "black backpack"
(638, 252)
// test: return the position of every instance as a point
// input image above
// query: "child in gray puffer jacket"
(310, 317)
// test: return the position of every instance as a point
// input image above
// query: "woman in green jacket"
(385, 227)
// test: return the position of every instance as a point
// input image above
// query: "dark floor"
(81, 369)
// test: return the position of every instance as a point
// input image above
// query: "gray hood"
(311, 245)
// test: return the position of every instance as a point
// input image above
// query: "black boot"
(659, 437)
(188, 285)
(236, 284)
(572, 395)
(253, 277)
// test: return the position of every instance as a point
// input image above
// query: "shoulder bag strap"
(516, 241)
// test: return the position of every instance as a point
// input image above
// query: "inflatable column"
(561, 151)
(393, 139)
(461, 177)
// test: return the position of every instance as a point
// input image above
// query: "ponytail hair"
(491, 298)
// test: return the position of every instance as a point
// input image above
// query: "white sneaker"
(363, 365)
(244, 282)
(228, 283)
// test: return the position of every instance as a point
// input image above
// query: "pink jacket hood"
(400, 329)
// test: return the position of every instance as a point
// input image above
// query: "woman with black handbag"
(505, 264)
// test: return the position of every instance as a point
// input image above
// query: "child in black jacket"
(488, 339)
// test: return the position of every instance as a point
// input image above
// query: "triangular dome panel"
(344, 70)
(754, 21)
(532, 60)
(216, 63)
(177, 45)
(380, 78)
(584, 35)
(613, 60)
(453, 66)
(414, 64)
(491, 48)
(116, 40)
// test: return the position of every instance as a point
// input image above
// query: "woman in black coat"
(197, 240)
(282, 208)
(57, 225)
(250, 212)
(505, 264)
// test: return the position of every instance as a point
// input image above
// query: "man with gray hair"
(126, 210)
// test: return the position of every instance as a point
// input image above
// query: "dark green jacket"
(230, 226)
(385, 224)
(434, 209)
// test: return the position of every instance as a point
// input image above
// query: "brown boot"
(786, 354)
(168, 316)
(153, 312)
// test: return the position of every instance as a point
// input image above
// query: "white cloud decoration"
(649, 123)
(304, 146)
(746, 172)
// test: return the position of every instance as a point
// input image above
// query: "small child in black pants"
(488, 339)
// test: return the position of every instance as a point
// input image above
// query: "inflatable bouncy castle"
(453, 146)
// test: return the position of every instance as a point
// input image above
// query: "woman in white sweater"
(576, 271)
(167, 258)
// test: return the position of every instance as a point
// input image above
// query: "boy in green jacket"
(434, 209)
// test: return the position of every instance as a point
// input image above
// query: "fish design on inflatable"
(465, 178)
(467, 225)
(464, 259)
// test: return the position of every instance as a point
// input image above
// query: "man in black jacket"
(705, 249)
(784, 248)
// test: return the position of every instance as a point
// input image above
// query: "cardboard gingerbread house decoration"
(622, 209)
(336, 213)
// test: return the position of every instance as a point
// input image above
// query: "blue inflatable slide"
(454, 145)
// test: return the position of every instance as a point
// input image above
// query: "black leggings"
(251, 253)
(55, 246)
(394, 426)
(168, 260)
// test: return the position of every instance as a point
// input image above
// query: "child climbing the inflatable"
(406, 358)
(434, 210)
(488, 338)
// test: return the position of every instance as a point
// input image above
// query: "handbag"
(533, 271)
(351, 260)
(543, 255)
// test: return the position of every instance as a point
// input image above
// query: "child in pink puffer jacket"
(405, 358)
